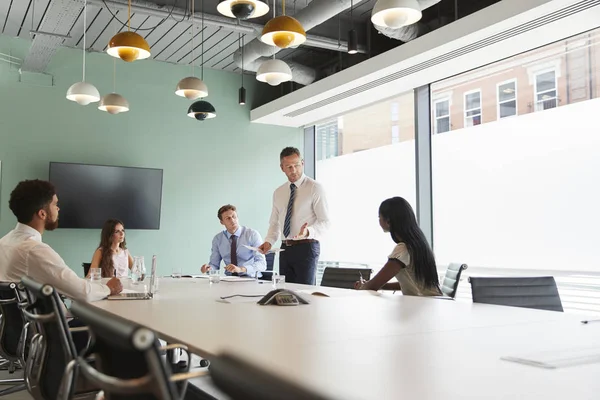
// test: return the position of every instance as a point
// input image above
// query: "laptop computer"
(139, 295)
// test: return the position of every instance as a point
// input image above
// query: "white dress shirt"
(22, 253)
(310, 206)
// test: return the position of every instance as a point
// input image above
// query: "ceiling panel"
(35, 12)
(182, 45)
(180, 31)
(16, 17)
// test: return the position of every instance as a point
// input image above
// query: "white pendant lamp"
(395, 13)
(274, 72)
(242, 9)
(83, 92)
(191, 87)
(114, 103)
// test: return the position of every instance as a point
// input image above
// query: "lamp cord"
(84, 29)
(202, 65)
(283, 7)
(114, 75)
(129, 17)
(193, 34)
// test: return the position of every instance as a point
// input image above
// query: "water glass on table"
(214, 275)
(95, 274)
(176, 272)
(138, 270)
(278, 281)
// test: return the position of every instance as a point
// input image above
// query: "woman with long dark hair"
(412, 261)
(112, 256)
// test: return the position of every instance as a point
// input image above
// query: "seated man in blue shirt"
(229, 247)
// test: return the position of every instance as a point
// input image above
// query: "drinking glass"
(176, 272)
(214, 275)
(278, 281)
(138, 271)
(95, 274)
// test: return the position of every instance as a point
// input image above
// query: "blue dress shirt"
(253, 261)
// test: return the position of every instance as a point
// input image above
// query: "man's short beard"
(51, 225)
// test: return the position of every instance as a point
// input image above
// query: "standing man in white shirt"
(301, 215)
(22, 252)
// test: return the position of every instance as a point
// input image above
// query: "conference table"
(369, 345)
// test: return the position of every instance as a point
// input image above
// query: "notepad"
(558, 358)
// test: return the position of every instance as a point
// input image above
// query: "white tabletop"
(360, 345)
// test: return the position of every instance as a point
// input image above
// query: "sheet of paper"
(237, 279)
(558, 358)
(256, 249)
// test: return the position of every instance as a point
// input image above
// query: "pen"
(589, 321)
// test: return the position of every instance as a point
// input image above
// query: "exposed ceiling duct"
(317, 12)
(410, 32)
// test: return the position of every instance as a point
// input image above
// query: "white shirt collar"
(29, 231)
(299, 182)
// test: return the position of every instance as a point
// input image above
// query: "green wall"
(206, 164)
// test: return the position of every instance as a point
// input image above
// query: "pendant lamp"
(201, 110)
(191, 87)
(242, 9)
(83, 92)
(352, 35)
(128, 46)
(114, 103)
(242, 91)
(395, 13)
(274, 72)
(283, 31)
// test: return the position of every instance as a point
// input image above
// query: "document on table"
(558, 358)
(256, 249)
(237, 279)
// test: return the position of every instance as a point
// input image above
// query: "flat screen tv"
(88, 195)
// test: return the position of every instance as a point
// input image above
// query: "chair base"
(13, 389)
(11, 381)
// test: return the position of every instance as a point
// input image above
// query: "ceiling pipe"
(315, 13)
(247, 28)
(410, 32)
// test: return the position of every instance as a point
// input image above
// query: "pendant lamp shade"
(83, 93)
(201, 110)
(242, 96)
(242, 9)
(395, 13)
(352, 42)
(283, 32)
(191, 88)
(128, 46)
(274, 72)
(113, 103)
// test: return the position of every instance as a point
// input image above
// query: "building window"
(327, 140)
(546, 95)
(441, 122)
(395, 134)
(472, 108)
(507, 99)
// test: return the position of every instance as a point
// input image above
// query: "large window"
(376, 161)
(521, 193)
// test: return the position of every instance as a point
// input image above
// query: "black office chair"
(11, 334)
(50, 369)
(532, 292)
(344, 278)
(452, 279)
(86, 268)
(268, 274)
(243, 381)
(128, 363)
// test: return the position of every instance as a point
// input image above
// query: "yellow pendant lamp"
(283, 31)
(128, 46)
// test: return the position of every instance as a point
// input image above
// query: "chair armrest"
(174, 346)
(79, 329)
(188, 375)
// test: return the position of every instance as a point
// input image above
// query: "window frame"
(499, 103)
(471, 109)
(435, 117)
(536, 108)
